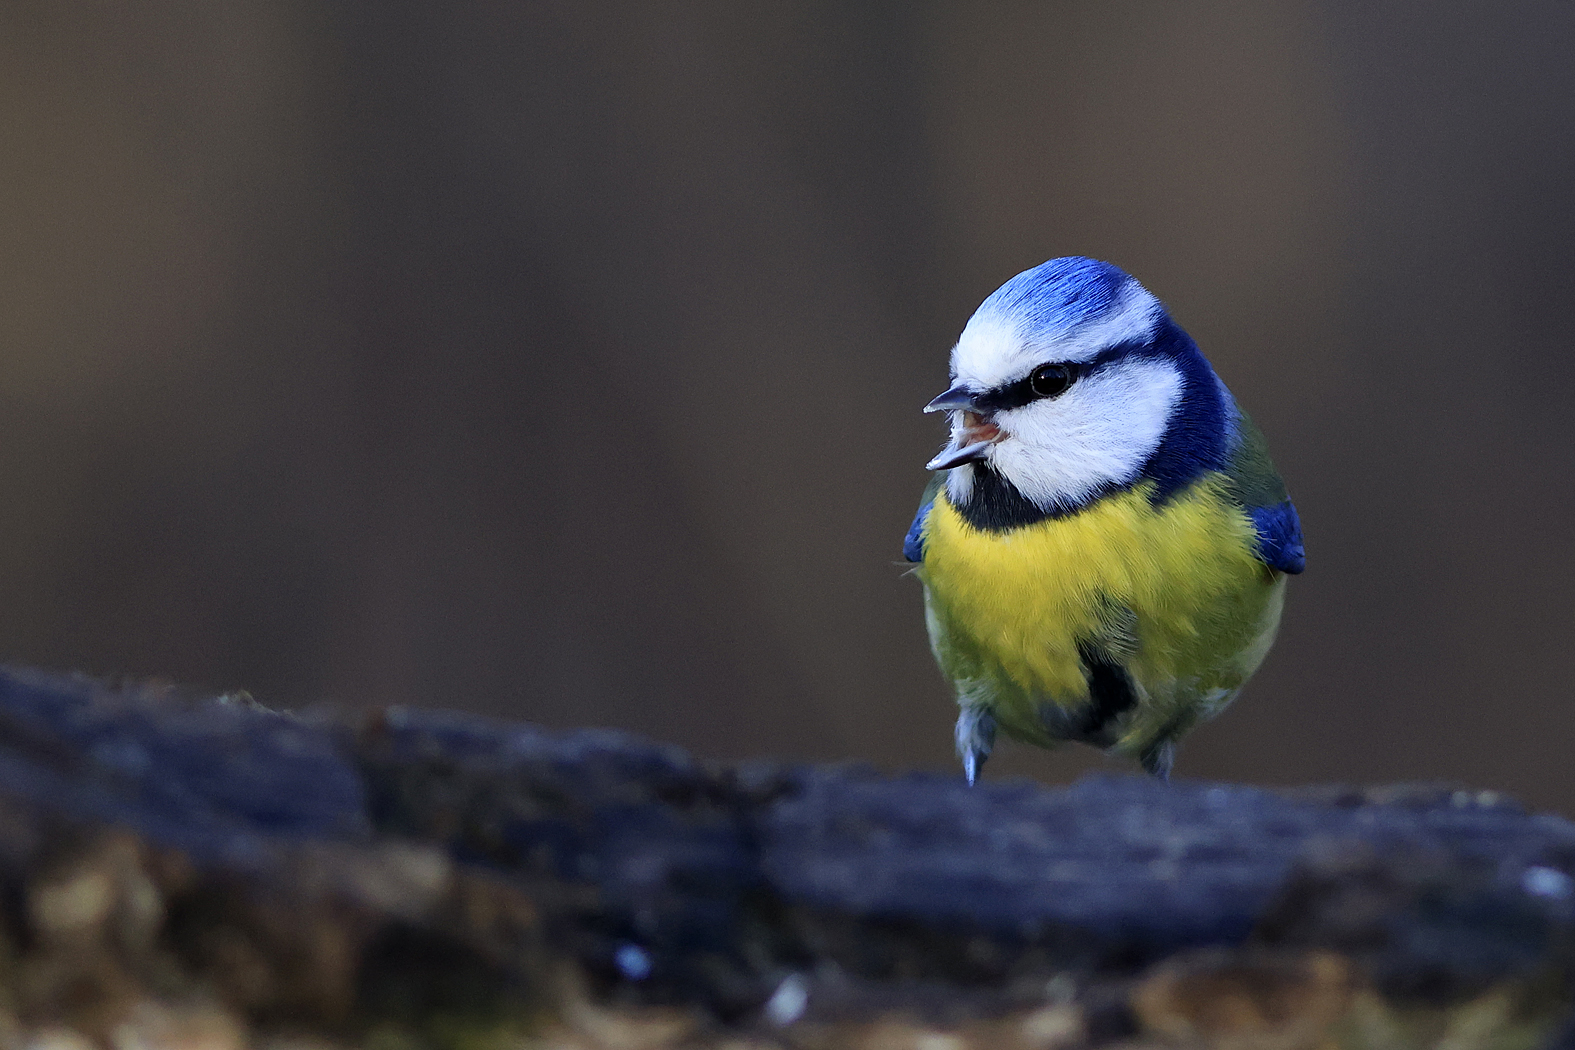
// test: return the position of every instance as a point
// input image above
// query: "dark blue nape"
(1197, 439)
(1280, 537)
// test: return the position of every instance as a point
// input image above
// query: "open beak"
(973, 432)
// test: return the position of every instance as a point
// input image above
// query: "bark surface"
(206, 872)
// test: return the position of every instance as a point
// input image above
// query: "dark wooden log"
(208, 872)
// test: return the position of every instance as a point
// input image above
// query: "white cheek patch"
(959, 484)
(1061, 451)
(995, 348)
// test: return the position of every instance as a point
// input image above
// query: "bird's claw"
(975, 738)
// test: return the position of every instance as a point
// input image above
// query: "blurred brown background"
(563, 360)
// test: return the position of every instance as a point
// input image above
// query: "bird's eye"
(1050, 380)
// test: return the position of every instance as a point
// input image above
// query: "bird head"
(1064, 383)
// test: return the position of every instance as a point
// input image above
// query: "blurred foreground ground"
(211, 876)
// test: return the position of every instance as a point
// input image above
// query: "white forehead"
(1015, 330)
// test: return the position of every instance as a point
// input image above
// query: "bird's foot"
(975, 738)
(1157, 759)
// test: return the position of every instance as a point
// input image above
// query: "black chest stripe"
(1110, 695)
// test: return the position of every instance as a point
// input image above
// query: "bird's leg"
(1158, 757)
(975, 738)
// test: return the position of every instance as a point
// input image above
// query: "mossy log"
(207, 873)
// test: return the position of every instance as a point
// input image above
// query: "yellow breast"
(1008, 610)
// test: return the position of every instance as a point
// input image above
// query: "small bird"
(1105, 543)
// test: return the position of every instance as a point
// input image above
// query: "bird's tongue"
(975, 428)
(970, 441)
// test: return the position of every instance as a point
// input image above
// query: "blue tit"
(1105, 543)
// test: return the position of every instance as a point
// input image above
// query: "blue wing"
(1280, 537)
(1257, 484)
(913, 543)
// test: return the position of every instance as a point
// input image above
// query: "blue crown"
(1061, 294)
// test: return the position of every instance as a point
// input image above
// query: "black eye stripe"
(1022, 392)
